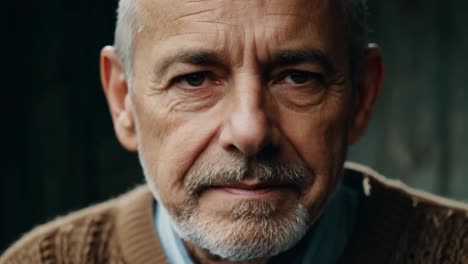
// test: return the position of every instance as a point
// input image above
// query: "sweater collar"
(135, 229)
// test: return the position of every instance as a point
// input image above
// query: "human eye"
(299, 89)
(300, 78)
(195, 80)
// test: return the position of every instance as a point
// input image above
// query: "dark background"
(60, 152)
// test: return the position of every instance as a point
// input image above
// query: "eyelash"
(208, 77)
(320, 78)
(184, 78)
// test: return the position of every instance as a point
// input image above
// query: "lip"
(250, 192)
(252, 189)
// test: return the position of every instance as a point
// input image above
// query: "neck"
(203, 256)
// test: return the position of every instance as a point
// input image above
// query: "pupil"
(299, 77)
(196, 79)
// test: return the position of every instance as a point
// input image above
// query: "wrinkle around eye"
(156, 87)
(301, 102)
(337, 79)
(195, 100)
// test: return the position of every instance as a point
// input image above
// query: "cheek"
(320, 140)
(317, 137)
(168, 145)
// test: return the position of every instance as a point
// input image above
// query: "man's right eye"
(194, 80)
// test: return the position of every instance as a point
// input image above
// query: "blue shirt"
(323, 243)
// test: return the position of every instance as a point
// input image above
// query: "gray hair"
(125, 32)
(127, 26)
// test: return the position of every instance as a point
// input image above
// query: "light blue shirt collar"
(324, 243)
(171, 243)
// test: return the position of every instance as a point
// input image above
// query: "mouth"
(253, 189)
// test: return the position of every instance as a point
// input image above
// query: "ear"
(369, 85)
(114, 83)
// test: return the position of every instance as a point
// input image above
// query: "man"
(241, 113)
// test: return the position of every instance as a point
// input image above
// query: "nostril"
(232, 148)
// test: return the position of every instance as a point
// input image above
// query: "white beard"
(252, 231)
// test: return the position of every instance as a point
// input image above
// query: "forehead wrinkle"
(222, 34)
(194, 13)
(304, 8)
(186, 17)
(200, 11)
(175, 35)
(162, 15)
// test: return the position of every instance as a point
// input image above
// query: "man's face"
(241, 113)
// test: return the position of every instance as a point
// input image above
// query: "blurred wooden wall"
(61, 153)
(419, 132)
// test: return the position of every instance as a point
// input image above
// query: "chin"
(250, 230)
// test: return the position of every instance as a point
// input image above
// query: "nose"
(248, 128)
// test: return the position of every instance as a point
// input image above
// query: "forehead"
(234, 26)
(167, 10)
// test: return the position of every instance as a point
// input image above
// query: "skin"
(249, 104)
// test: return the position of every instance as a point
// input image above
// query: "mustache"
(232, 172)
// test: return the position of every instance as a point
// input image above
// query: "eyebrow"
(194, 57)
(280, 58)
(314, 56)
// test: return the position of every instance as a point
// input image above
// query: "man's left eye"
(301, 77)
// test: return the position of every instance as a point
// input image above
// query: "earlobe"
(114, 83)
(369, 85)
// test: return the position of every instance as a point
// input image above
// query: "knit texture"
(396, 224)
(118, 231)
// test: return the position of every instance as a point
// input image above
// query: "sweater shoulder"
(370, 182)
(75, 237)
(404, 225)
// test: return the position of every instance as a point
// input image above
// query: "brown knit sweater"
(395, 225)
